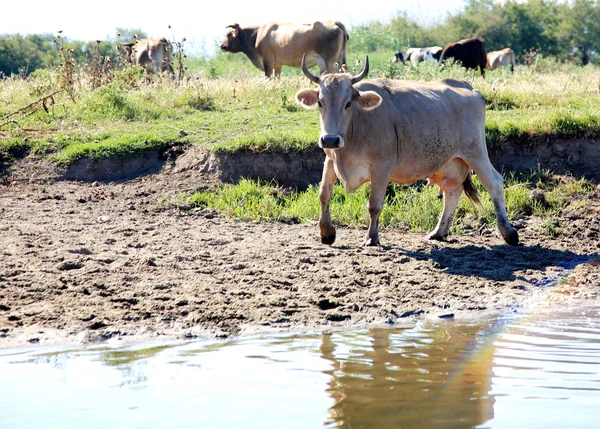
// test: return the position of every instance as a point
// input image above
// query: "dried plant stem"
(41, 100)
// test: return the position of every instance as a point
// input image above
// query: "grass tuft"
(414, 208)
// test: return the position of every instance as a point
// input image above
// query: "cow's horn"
(306, 72)
(363, 74)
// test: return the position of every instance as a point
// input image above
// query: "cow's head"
(336, 98)
(129, 49)
(233, 42)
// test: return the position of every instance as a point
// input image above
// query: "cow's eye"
(348, 104)
(319, 104)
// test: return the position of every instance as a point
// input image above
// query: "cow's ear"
(236, 28)
(307, 98)
(368, 100)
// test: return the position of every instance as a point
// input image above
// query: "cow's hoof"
(330, 239)
(511, 237)
(370, 242)
(437, 237)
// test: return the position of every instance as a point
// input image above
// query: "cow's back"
(154, 54)
(287, 42)
(501, 58)
(420, 125)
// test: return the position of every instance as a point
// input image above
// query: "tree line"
(22, 55)
(568, 31)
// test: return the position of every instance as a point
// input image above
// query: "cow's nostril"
(330, 142)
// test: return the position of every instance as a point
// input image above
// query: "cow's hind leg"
(492, 180)
(325, 191)
(451, 198)
(450, 179)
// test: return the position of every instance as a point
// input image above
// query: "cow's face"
(233, 41)
(128, 51)
(336, 99)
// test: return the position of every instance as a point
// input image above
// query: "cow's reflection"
(412, 378)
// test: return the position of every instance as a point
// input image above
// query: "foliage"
(565, 30)
(242, 113)
(568, 31)
(414, 207)
(21, 55)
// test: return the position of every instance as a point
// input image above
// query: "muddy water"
(540, 370)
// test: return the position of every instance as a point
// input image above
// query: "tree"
(24, 54)
(407, 33)
(579, 29)
(129, 35)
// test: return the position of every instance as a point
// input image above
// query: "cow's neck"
(249, 46)
(364, 126)
(356, 133)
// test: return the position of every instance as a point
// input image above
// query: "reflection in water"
(524, 372)
(417, 378)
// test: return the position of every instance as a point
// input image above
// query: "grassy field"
(414, 207)
(226, 104)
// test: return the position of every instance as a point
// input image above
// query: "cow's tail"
(512, 61)
(344, 51)
(471, 190)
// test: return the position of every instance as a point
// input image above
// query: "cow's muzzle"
(331, 142)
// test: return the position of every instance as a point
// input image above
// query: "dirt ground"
(85, 262)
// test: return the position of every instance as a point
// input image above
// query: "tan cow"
(273, 45)
(497, 59)
(154, 55)
(386, 130)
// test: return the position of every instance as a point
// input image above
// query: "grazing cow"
(418, 55)
(273, 45)
(497, 59)
(153, 55)
(386, 130)
(469, 52)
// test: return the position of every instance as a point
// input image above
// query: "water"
(536, 371)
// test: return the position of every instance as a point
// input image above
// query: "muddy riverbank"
(91, 260)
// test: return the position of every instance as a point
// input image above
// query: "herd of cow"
(470, 53)
(273, 45)
(377, 130)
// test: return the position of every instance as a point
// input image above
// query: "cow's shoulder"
(264, 33)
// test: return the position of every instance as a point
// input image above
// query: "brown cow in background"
(153, 55)
(273, 45)
(470, 53)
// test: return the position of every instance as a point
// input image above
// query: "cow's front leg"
(326, 189)
(268, 64)
(378, 188)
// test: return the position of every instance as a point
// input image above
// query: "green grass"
(414, 208)
(227, 105)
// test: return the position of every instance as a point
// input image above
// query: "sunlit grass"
(226, 104)
(414, 208)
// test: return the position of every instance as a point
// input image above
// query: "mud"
(84, 261)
